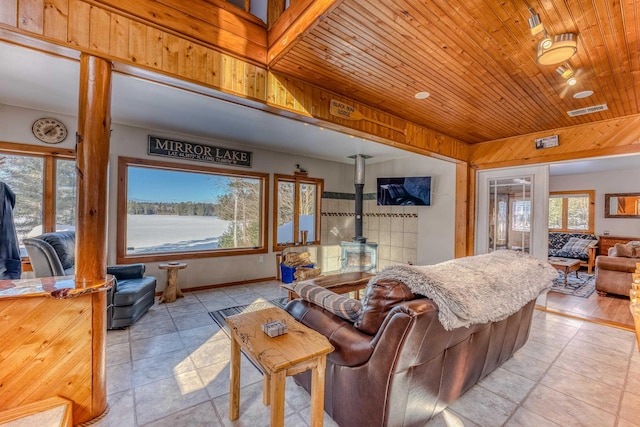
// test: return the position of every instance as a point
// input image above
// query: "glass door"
(510, 214)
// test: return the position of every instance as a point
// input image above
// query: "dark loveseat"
(400, 367)
(53, 254)
(581, 246)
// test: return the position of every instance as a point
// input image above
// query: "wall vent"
(588, 110)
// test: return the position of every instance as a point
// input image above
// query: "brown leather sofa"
(613, 272)
(410, 368)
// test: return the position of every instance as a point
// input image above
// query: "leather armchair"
(53, 254)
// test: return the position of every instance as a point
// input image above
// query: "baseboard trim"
(224, 285)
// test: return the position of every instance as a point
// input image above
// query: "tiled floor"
(171, 369)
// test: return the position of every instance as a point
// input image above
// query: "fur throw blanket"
(476, 289)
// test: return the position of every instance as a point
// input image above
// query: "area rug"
(220, 315)
(582, 286)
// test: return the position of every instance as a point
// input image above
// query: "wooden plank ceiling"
(477, 58)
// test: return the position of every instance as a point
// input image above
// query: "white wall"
(435, 223)
(622, 181)
(15, 126)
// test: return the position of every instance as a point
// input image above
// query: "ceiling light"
(422, 95)
(535, 25)
(583, 94)
(564, 46)
(571, 81)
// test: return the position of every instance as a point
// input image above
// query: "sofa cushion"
(344, 307)
(576, 244)
(627, 251)
(379, 299)
(131, 290)
(616, 263)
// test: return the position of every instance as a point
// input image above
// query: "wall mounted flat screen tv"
(407, 191)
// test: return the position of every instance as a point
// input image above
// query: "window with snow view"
(297, 209)
(40, 181)
(189, 210)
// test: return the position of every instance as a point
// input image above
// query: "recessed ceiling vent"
(588, 110)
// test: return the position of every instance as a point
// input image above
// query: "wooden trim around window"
(297, 180)
(121, 238)
(592, 210)
(49, 156)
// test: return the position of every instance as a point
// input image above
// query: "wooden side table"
(172, 290)
(301, 348)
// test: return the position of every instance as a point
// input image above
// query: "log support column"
(94, 131)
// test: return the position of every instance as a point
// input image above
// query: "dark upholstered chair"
(53, 254)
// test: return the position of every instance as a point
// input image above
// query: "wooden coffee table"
(340, 283)
(567, 265)
(301, 348)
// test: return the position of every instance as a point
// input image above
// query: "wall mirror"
(622, 205)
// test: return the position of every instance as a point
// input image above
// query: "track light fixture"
(552, 49)
(567, 73)
(563, 47)
(535, 25)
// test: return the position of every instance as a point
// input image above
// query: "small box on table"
(274, 328)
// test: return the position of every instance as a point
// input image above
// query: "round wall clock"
(51, 131)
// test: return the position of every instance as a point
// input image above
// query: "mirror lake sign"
(192, 151)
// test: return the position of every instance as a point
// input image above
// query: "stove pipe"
(359, 183)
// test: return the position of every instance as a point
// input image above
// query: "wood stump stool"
(172, 290)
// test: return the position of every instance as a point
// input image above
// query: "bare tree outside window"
(296, 209)
(25, 176)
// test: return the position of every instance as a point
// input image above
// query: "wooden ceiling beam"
(300, 18)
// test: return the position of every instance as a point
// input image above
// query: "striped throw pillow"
(344, 307)
(578, 245)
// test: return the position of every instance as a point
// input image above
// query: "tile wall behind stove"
(394, 228)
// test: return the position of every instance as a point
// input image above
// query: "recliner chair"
(53, 254)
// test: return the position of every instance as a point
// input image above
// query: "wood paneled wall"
(49, 348)
(190, 50)
(236, 32)
(615, 136)
(106, 32)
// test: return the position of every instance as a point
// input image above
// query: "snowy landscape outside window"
(45, 189)
(296, 206)
(192, 210)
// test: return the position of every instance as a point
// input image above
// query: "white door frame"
(539, 240)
